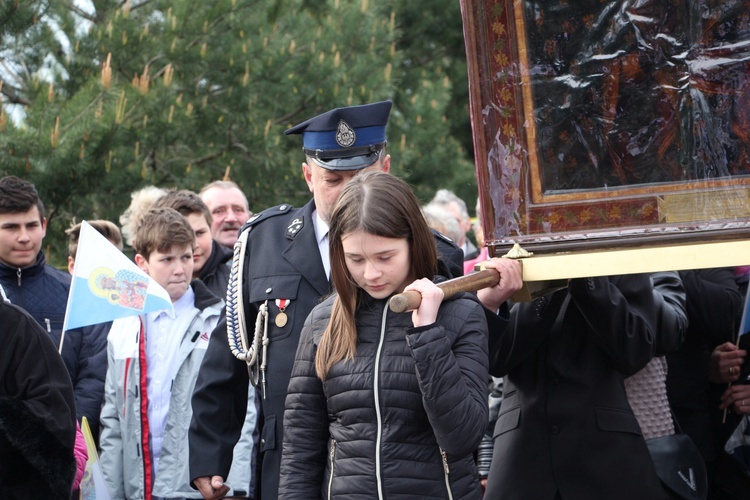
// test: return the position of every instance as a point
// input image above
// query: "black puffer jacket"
(378, 425)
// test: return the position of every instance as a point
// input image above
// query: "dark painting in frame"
(602, 124)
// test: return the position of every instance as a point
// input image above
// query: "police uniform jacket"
(565, 423)
(282, 263)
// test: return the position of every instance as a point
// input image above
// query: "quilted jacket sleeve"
(452, 363)
(305, 425)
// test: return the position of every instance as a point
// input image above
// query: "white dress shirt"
(321, 235)
(164, 333)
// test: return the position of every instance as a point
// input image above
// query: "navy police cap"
(345, 138)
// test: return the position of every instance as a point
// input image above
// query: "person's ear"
(141, 262)
(386, 165)
(307, 172)
(71, 264)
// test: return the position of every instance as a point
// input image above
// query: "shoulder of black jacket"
(267, 214)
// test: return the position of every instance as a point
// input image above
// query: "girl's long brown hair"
(382, 205)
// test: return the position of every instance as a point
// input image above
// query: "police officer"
(280, 271)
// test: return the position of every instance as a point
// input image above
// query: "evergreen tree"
(434, 86)
(179, 93)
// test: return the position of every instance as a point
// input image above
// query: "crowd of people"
(281, 372)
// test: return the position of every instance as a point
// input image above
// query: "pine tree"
(433, 95)
(179, 93)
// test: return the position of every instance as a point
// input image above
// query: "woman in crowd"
(379, 401)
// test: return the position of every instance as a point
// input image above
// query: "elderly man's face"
(229, 210)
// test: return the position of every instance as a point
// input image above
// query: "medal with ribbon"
(281, 317)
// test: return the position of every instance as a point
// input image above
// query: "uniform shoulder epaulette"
(267, 214)
(443, 237)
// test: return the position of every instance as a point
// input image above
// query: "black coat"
(565, 423)
(382, 420)
(714, 305)
(37, 412)
(282, 261)
(215, 272)
(42, 291)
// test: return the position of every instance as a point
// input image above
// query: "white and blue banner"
(107, 285)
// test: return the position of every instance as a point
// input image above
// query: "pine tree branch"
(207, 158)
(82, 113)
(12, 72)
(133, 7)
(285, 118)
(235, 144)
(80, 12)
(202, 36)
(9, 71)
(11, 93)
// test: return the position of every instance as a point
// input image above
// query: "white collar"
(321, 228)
(179, 306)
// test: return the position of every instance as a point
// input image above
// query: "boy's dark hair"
(18, 196)
(186, 202)
(160, 230)
(106, 228)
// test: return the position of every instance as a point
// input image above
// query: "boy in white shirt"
(153, 362)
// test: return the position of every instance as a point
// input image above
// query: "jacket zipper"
(376, 389)
(331, 456)
(446, 471)
(18, 273)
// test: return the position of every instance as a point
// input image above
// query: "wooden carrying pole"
(408, 301)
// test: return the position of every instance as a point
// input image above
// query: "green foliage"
(177, 93)
(434, 63)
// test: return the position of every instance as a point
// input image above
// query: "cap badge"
(345, 135)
